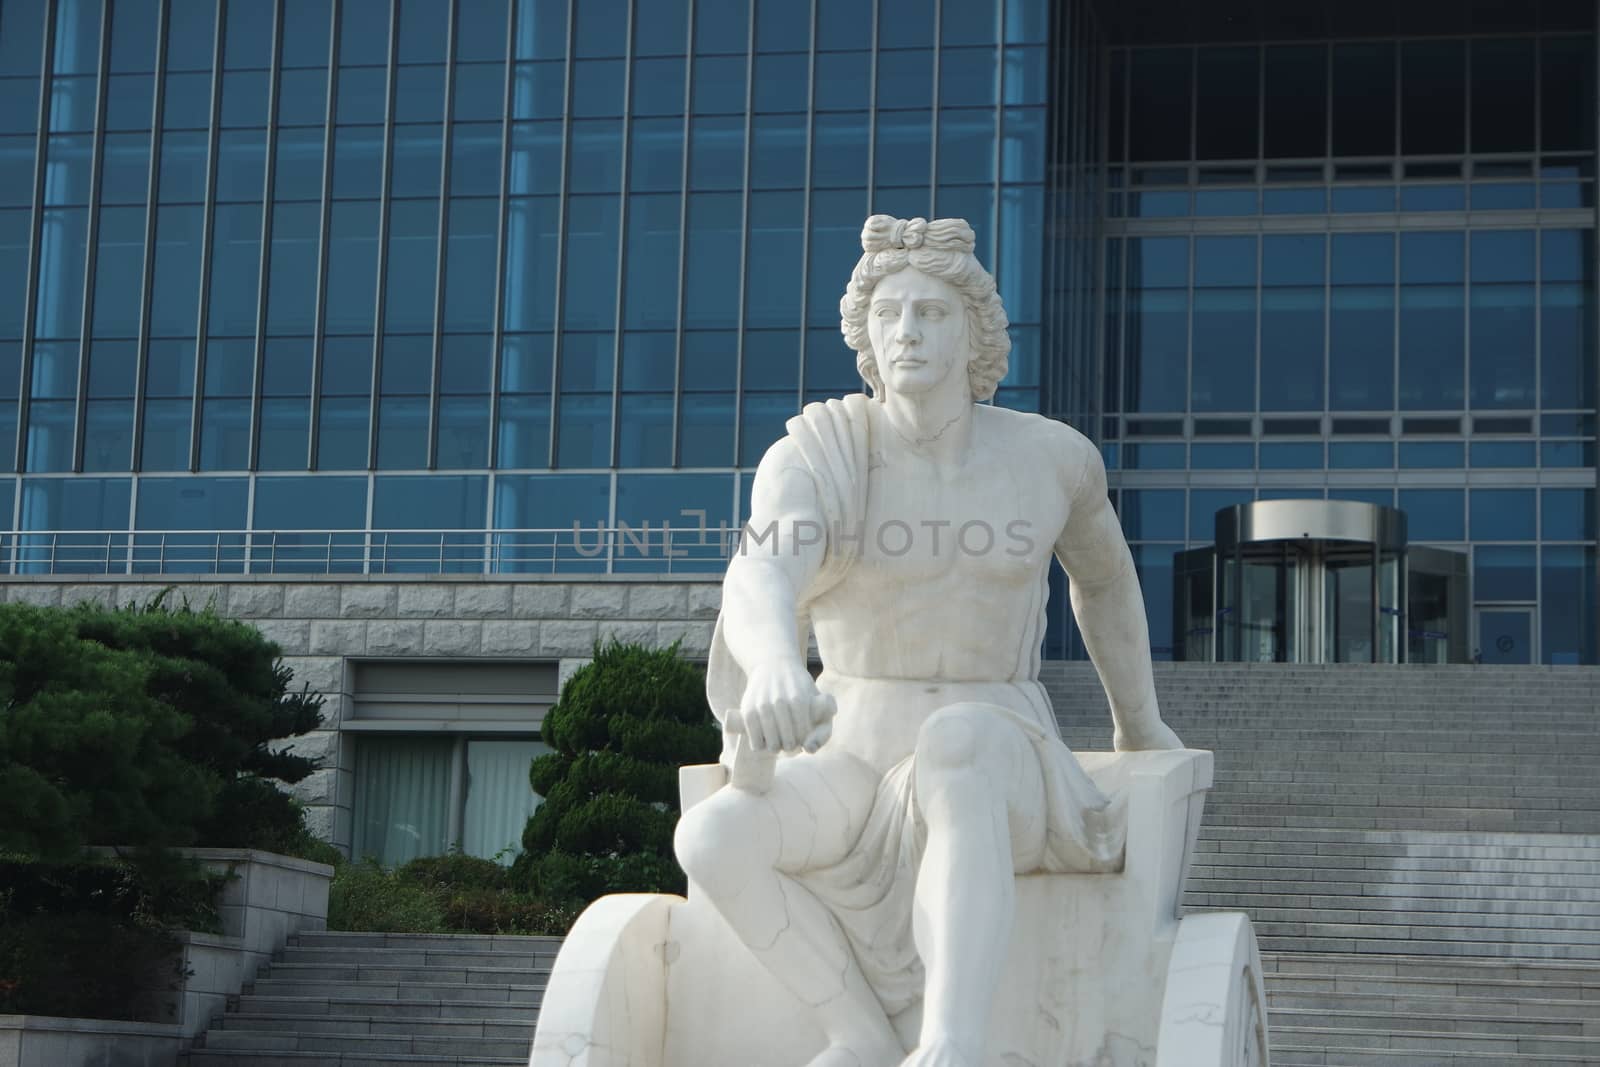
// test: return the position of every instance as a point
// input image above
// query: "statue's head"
(941, 249)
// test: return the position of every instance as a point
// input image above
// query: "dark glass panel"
(183, 168)
(346, 366)
(285, 434)
(835, 245)
(186, 102)
(419, 94)
(599, 28)
(590, 299)
(1566, 102)
(415, 168)
(470, 264)
(342, 433)
(402, 433)
(721, 25)
(1363, 259)
(973, 22)
(705, 430)
(524, 434)
(424, 28)
(284, 503)
(363, 95)
(761, 420)
(306, 26)
(298, 165)
(480, 92)
(1159, 97)
(247, 37)
(650, 298)
(285, 370)
(463, 432)
(169, 369)
(1226, 94)
(1361, 347)
(1568, 514)
(656, 155)
(407, 365)
(532, 263)
(191, 504)
(839, 153)
(1224, 261)
(1502, 514)
(164, 441)
(175, 289)
(541, 30)
(1567, 344)
(776, 263)
(1502, 454)
(292, 273)
(905, 78)
(1445, 198)
(125, 168)
(660, 28)
(649, 361)
(712, 260)
(412, 266)
(1434, 514)
(108, 435)
(72, 104)
(658, 86)
(241, 164)
(1026, 77)
(303, 98)
(1361, 455)
(843, 80)
(645, 430)
(1292, 259)
(709, 360)
(358, 162)
(1430, 455)
(67, 169)
(967, 145)
(782, 82)
(1363, 99)
(475, 159)
(464, 364)
(1224, 349)
(597, 87)
(969, 77)
(596, 151)
(1155, 373)
(19, 106)
(718, 85)
(63, 251)
(588, 360)
(538, 90)
(480, 29)
(235, 270)
(16, 171)
(583, 430)
(133, 35)
(352, 267)
(191, 29)
(1567, 608)
(904, 147)
(1503, 86)
(782, 25)
(128, 102)
(535, 158)
(1502, 256)
(21, 36)
(1432, 346)
(717, 154)
(55, 371)
(778, 152)
(77, 36)
(119, 267)
(76, 503)
(1433, 101)
(771, 362)
(1503, 328)
(525, 365)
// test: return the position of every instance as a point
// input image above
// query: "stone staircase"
(386, 1000)
(1418, 847)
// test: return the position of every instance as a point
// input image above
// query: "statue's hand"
(1146, 737)
(783, 709)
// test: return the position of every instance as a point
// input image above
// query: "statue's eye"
(935, 313)
(887, 311)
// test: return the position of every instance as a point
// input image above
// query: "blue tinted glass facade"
(463, 271)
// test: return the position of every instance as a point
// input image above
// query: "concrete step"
(518, 993)
(534, 972)
(420, 958)
(429, 942)
(1444, 1002)
(381, 1008)
(1507, 1048)
(232, 1057)
(1400, 965)
(450, 1047)
(519, 1027)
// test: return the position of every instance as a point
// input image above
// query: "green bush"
(145, 727)
(455, 894)
(364, 896)
(622, 727)
(86, 965)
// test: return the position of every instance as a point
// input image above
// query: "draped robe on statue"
(870, 891)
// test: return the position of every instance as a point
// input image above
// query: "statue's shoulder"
(1039, 435)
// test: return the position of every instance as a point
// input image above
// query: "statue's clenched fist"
(783, 710)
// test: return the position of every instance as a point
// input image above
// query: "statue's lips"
(908, 361)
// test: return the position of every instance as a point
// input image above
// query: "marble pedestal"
(1102, 972)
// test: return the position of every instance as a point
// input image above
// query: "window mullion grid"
(683, 232)
(325, 223)
(497, 327)
(805, 211)
(86, 323)
(30, 318)
(933, 139)
(380, 289)
(744, 242)
(264, 264)
(558, 317)
(872, 101)
(614, 453)
(147, 281)
(208, 217)
(442, 247)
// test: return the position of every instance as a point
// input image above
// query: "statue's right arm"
(780, 554)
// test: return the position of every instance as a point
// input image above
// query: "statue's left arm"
(1107, 603)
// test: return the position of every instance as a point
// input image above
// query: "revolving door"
(1316, 581)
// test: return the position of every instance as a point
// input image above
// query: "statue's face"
(918, 327)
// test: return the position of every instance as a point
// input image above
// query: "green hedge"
(453, 894)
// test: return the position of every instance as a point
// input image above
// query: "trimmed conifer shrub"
(622, 727)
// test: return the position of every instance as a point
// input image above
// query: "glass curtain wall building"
(383, 285)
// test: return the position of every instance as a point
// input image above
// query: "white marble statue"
(900, 862)
(913, 530)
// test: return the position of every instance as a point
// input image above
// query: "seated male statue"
(873, 870)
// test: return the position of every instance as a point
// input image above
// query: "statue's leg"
(740, 849)
(981, 794)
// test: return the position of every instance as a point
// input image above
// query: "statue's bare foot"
(857, 1055)
(1145, 739)
(940, 1052)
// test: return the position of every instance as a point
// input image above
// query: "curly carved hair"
(941, 249)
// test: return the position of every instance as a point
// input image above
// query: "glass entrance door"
(1505, 635)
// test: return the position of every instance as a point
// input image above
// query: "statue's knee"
(716, 840)
(951, 738)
